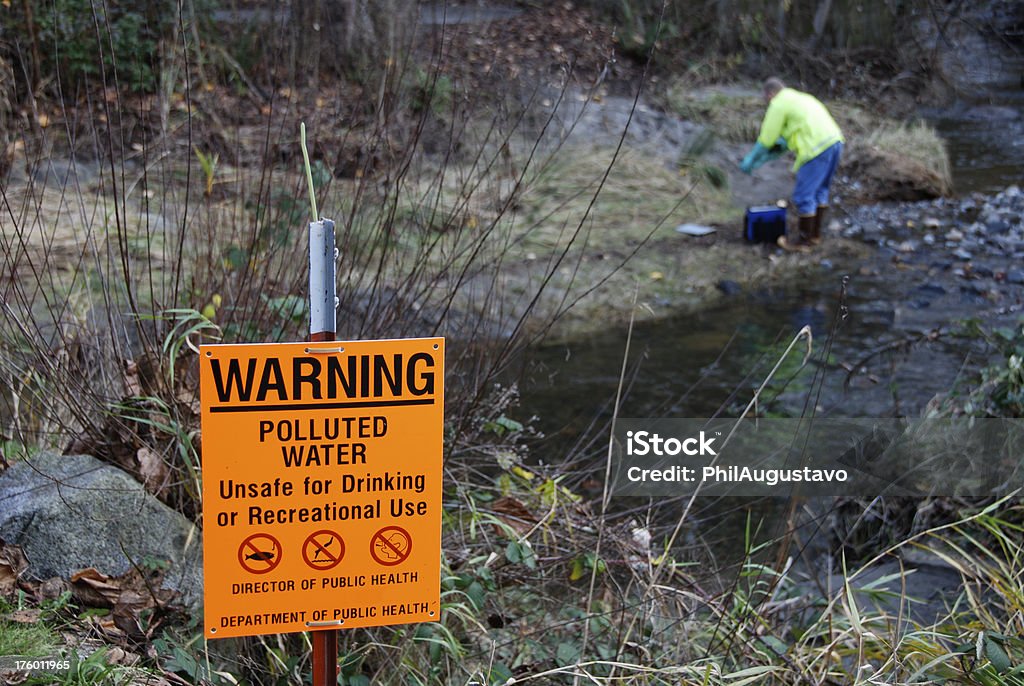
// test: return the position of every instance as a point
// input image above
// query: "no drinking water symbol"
(323, 549)
(259, 553)
(391, 546)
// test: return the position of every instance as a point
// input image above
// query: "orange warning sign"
(321, 466)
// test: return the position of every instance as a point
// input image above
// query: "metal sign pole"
(322, 295)
(323, 327)
(325, 657)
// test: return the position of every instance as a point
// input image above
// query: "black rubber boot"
(802, 242)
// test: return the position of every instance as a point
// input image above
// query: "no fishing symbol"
(259, 553)
(323, 549)
(391, 546)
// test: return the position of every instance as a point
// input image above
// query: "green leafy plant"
(998, 388)
(432, 92)
(208, 164)
(644, 29)
(128, 40)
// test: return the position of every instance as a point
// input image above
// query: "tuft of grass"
(27, 639)
(888, 153)
(915, 141)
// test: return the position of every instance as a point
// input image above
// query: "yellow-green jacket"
(803, 121)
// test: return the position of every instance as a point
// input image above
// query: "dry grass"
(915, 141)
(642, 197)
(733, 113)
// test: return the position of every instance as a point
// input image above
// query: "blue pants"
(813, 180)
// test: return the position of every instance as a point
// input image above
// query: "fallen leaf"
(12, 565)
(132, 385)
(107, 627)
(14, 677)
(26, 616)
(128, 622)
(119, 656)
(152, 469)
(94, 589)
(126, 596)
(52, 588)
(514, 514)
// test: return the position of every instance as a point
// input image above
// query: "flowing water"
(984, 129)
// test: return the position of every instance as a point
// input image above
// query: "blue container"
(764, 224)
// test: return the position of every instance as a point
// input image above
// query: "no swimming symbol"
(323, 549)
(391, 546)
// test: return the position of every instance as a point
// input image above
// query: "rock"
(1009, 244)
(1015, 276)
(955, 235)
(998, 226)
(962, 254)
(974, 288)
(61, 173)
(983, 272)
(991, 113)
(1011, 195)
(929, 239)
(931, 223)
(729, 287)
(932, 287)
(69, 512)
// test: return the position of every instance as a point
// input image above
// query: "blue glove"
(754, 159)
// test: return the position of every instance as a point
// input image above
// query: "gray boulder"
(69, 512)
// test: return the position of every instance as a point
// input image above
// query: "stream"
(885, 336)
(936, 263)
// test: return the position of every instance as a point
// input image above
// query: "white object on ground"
(694, 229)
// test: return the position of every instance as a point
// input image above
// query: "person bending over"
(799, 122)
